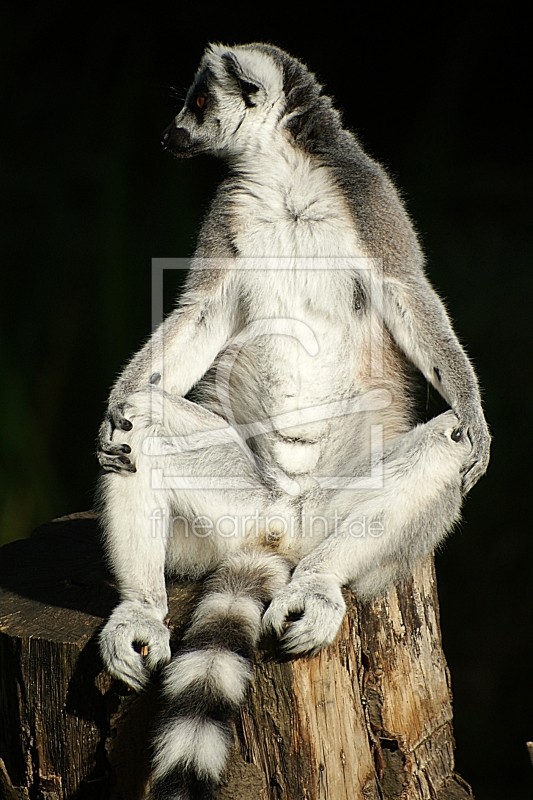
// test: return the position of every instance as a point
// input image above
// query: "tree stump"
(370, 717)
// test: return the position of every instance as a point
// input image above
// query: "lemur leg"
(381, 533)
(194, 496)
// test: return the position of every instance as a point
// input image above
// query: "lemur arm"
(411, 309)
(417, 320)
(178, 354)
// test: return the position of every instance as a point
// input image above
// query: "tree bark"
(370, 717)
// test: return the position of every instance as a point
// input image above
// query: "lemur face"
(235, 99)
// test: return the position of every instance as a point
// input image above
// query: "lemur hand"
(112, 455)
(319, 601)
(133, 624)
(477, 431)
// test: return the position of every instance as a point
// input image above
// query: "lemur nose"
(176, 140)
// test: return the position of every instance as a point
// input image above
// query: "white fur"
(132, 622)
(228, 674)
(319, 600)
(261, 69)
(217, 605)
(286, 349)
(417, 474)
(191, 742)
(290, 331)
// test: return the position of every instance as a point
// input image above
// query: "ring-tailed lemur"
(305, 301)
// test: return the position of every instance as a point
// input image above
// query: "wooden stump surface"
(370, 717)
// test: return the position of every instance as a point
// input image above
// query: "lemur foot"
(130, 626)
(319, 601)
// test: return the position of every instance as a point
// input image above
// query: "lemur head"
(244, 95)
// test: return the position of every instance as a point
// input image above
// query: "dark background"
(87, 199)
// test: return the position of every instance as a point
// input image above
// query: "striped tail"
(206, 683)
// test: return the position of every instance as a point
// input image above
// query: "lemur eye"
(200, 101)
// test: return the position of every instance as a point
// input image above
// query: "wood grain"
(370, 717)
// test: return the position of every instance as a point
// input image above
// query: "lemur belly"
(299, 253)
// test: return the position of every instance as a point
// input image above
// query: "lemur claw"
(111, 455)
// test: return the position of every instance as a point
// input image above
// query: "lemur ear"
(234, 71)
(248, 86)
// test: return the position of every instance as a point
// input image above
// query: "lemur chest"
(298, 251)
(306, 336)
(292, 209)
